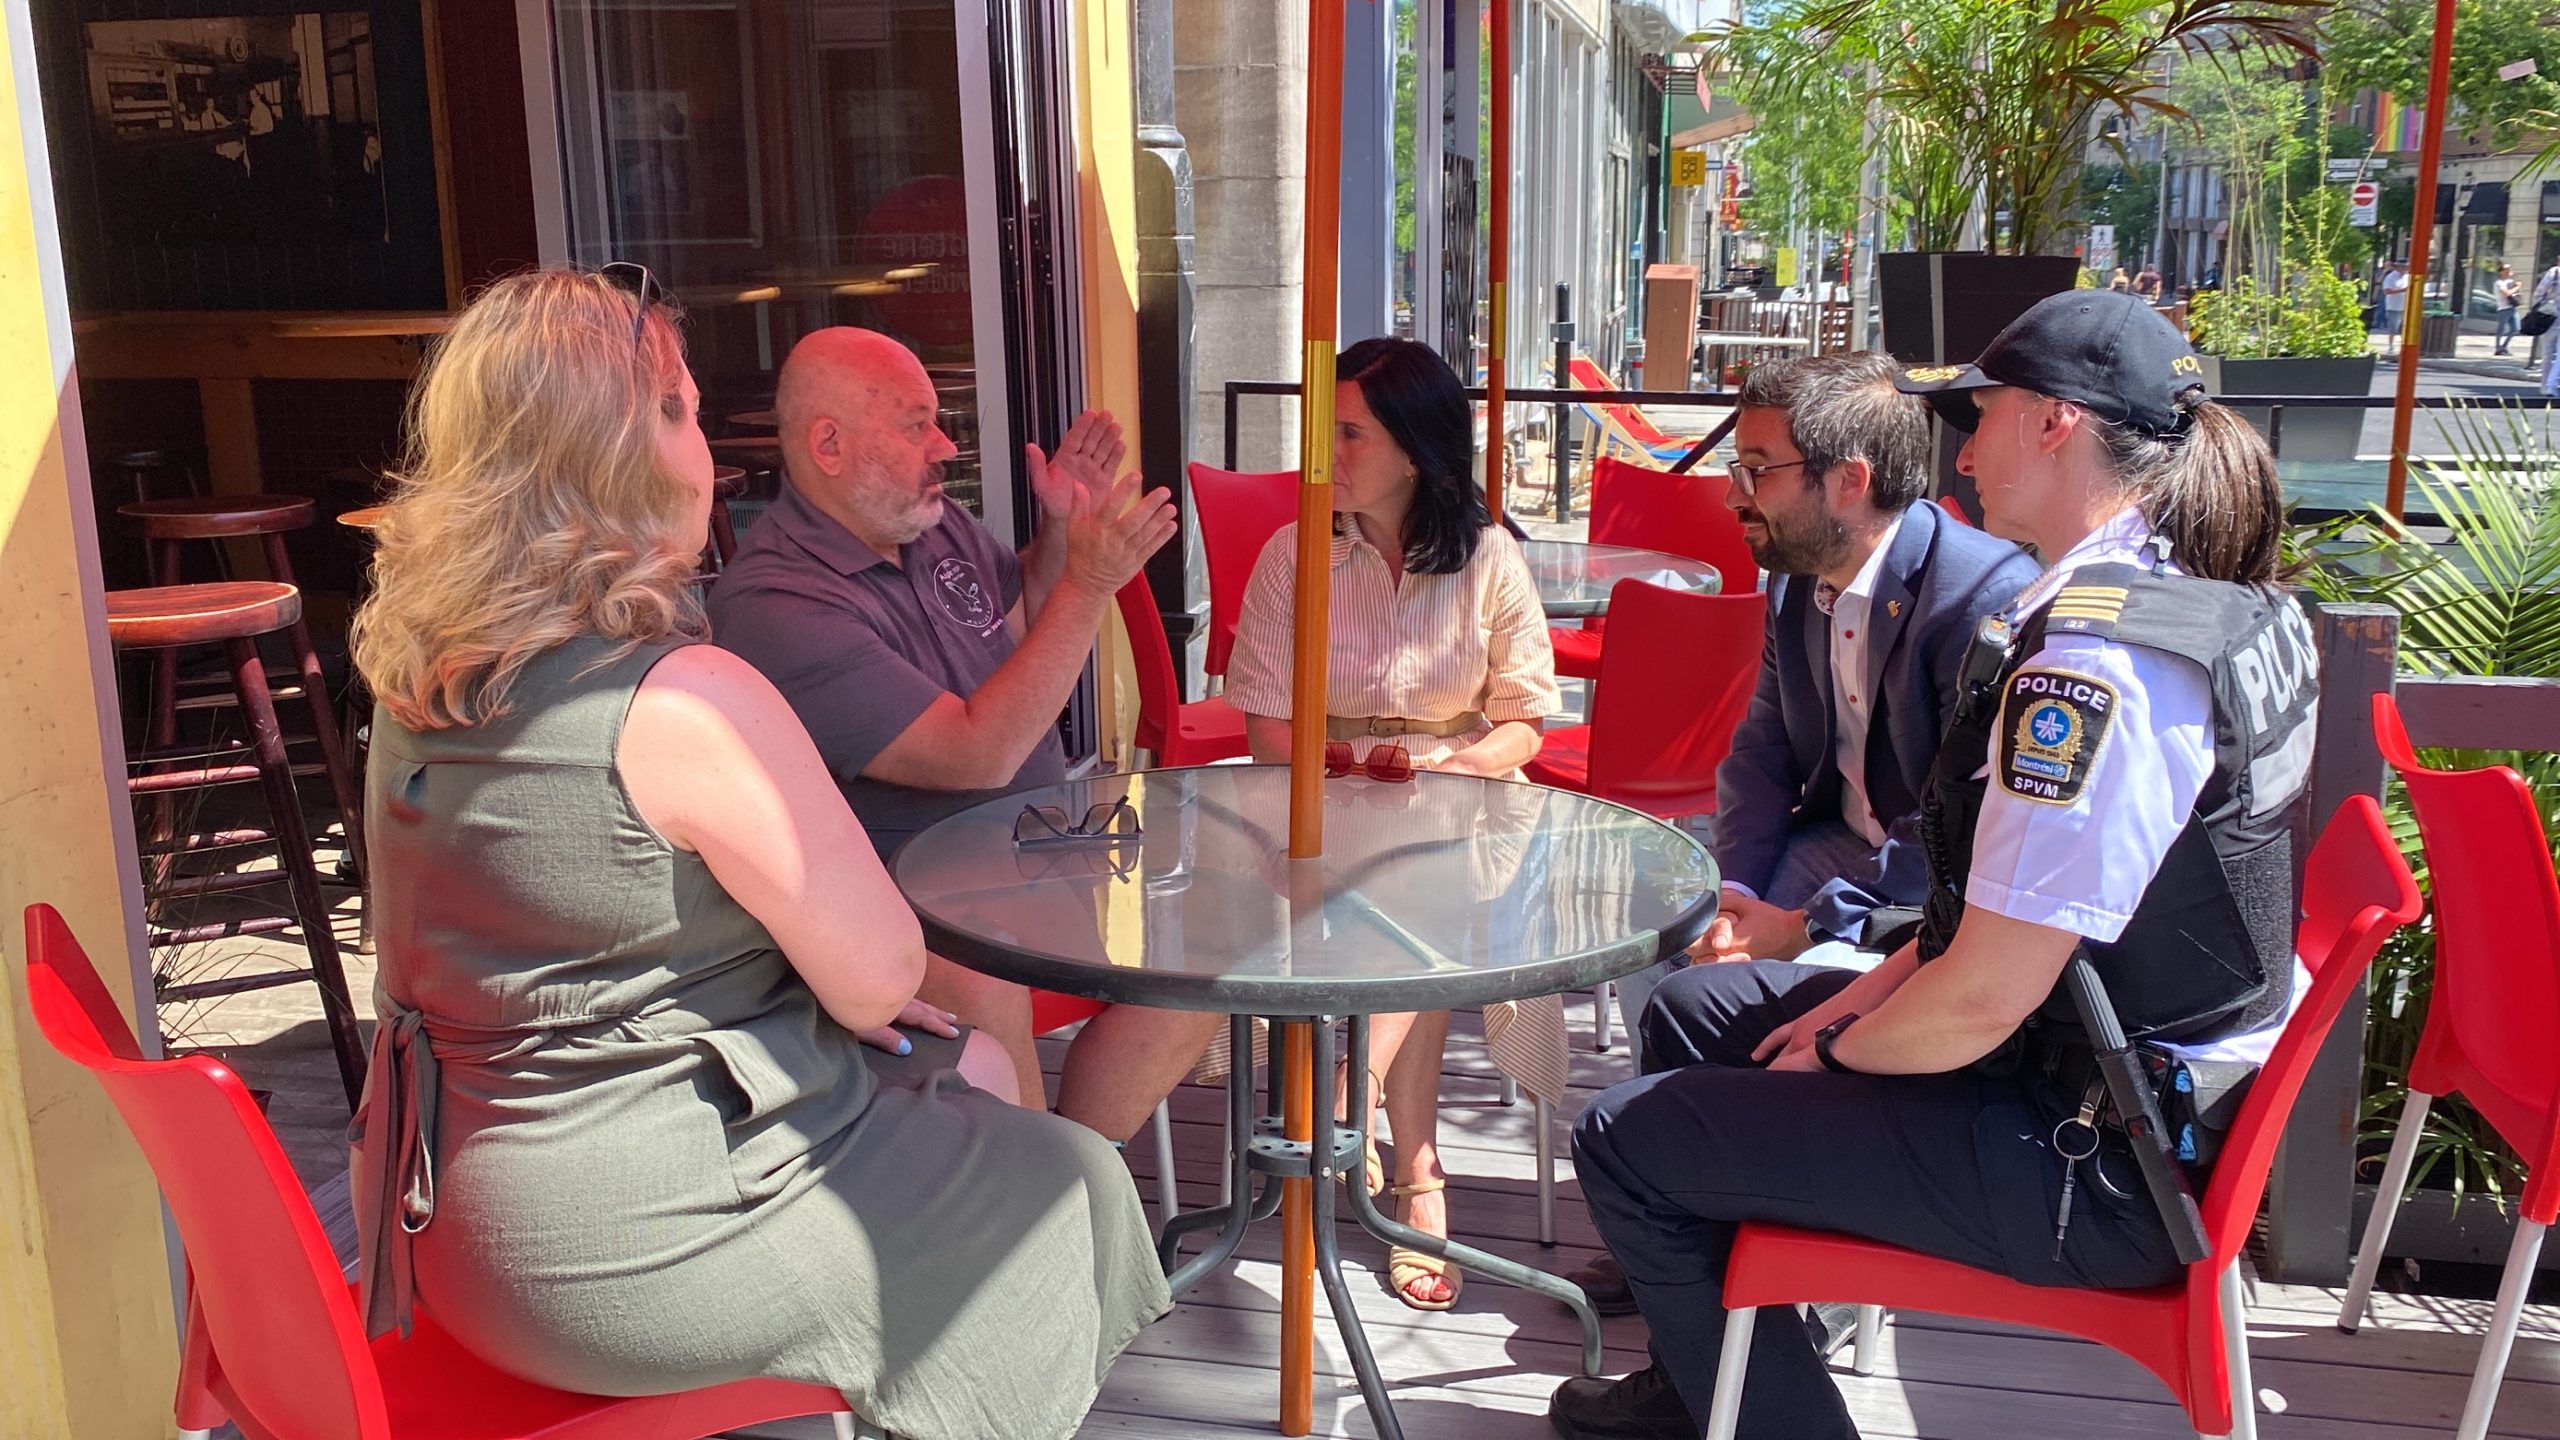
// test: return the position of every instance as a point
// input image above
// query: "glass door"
(788, 165)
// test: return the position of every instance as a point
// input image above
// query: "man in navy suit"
(1874, 595)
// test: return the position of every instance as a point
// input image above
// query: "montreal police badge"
(2052, 724)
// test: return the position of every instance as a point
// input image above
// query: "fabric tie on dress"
(399, 1116)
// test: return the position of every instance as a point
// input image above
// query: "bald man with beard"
(930, 662)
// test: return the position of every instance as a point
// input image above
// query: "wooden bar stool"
(234, 615)
(168, 525)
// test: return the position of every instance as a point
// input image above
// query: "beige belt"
(1353, 727)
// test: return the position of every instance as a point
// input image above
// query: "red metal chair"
(1673, 686)
(272, 1340)
(2493, 1020)
(1650, 509)
(2193, 1334)
(1239, 512)
(1173, 732)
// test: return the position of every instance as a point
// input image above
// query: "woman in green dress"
(653, 1104)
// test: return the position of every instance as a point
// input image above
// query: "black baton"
(2130, 1089)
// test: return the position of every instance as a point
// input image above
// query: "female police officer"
(2117, 786)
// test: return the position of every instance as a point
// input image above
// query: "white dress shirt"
(2083, 866)
(1851, 706)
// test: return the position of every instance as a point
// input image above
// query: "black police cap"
(2104, 349)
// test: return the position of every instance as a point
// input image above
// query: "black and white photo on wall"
(241, 129)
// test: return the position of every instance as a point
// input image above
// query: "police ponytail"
(2210, 490)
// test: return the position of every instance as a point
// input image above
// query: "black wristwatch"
(1822, 1039)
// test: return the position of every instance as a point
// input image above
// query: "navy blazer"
(1937, 582)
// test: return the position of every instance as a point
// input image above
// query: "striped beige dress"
(1418, 647)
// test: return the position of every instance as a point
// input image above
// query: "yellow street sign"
(1688, 167)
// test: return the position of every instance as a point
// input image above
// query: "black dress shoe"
(1606, 1284)
(1643, 1406)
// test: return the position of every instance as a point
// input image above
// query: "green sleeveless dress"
(612, 1143)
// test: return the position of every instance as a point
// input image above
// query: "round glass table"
(1174, 888)
(1574, 578)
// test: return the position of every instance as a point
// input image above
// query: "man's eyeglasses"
(633, 279)
(1390, 763)
(1746, 478)
(1108, 823)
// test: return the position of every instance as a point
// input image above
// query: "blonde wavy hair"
(531, 505)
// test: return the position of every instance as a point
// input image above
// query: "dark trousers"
(1958, 1166)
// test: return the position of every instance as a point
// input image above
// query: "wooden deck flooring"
(1484, 1371)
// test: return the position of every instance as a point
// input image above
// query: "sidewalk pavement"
(2473, 355)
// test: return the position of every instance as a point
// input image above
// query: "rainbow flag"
(2397, 128)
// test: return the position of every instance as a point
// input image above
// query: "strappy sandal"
(1406, 1265)
(1373, 1171)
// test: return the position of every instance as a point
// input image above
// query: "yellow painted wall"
(1107, 205)
(87, 1347)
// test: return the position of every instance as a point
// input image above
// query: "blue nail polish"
(906, 1046)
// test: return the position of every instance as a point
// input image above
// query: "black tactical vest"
(2209, 950)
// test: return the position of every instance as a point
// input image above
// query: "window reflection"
(783, 166)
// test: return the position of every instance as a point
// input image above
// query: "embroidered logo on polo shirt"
(964, 595)
(2053, 724)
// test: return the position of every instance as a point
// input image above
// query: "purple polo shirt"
(861, 647)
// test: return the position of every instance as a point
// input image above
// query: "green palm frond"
(2484, 601)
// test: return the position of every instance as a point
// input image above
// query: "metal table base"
(1256, 1143)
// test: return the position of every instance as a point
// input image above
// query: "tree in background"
(2386, 45)
(2243, 112)
(2127, 197)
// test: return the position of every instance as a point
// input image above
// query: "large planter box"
(2310, 433)
(2433, 1225)
(1942, 308)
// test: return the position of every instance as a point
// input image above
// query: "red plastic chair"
(272, 1339)
(1954, 509)
(2493, 1020)
(1673, 685)
(2193, 1334)
(1650, 509)
(1239, 512)
(1176, 733)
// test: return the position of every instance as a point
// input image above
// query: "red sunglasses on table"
(1390, 763)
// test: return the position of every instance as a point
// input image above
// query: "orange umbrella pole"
(1498, 256)
(1297, 1242)
(2422, 230)
(1309, 650)
(1320, 324)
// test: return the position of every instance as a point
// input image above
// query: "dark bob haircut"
(1411, 391)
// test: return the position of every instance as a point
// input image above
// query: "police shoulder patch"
(2052, 725)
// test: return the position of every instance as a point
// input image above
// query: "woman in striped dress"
(1438, 644)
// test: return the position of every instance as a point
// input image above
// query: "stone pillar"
(1240, 100)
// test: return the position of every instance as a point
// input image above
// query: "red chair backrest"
(2355, 891)
(274, 1304)
(1681, 515)
(1586, 374)
(1675, 679)
(1239, 513)
(2493, 1014)
(1151, 655)
(1954, 509)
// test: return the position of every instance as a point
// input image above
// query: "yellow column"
(87, 1345)
(1107, 208)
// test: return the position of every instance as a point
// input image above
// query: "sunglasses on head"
(633, 279)
(1390, 763)
(1106, 823)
